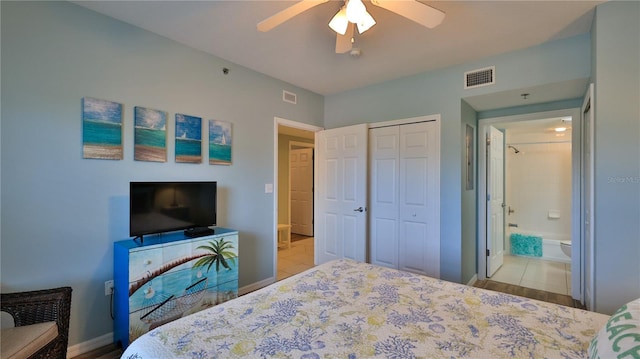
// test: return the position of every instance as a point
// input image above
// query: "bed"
(348, 309)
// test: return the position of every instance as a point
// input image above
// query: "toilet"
(566, 247)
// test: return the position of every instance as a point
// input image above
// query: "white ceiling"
(301, 51)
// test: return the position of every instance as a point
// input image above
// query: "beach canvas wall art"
(188, 139)
(101, 129)
(219, 142)
(150, 135)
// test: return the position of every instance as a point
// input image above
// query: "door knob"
(359, 209)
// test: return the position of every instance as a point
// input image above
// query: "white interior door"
(419, 200)
(404, 213)
(586, 254)
(341, 194)
(301, 180)
(495, 200)
(384, 162)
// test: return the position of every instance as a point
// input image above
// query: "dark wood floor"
(107, 352)
(529, 293)
(113, 352)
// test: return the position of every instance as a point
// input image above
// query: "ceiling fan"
(354, 14)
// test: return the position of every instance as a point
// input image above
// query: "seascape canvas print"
(101, 129)
(219, 142)
(150, 135)
(188, 139)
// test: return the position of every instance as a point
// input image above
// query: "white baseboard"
(255, 286)
(89, 345)
(95, 343)
(473, 280)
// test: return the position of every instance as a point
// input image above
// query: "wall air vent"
(289, 97)
(480, 77)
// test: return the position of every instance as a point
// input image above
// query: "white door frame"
(284, 122)
(585, 291)
(575, 114)
(293, 145)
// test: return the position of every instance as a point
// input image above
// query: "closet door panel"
(383, 211)
(413, 246)
(385, 252)
(404, 221)
(416, 209)
(414, 184)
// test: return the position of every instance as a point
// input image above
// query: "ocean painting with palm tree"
(150, 135)
(101, 129)
(219, 142)
(188, 139)
(219, 253)
(190, 277)
(223, 255)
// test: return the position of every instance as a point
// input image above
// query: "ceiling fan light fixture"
(365, 23)
(355, 11)
(339, 22)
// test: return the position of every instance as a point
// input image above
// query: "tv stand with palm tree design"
(170, 276)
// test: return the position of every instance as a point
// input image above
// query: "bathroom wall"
(538, 184)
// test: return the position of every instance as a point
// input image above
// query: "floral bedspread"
(347, 309)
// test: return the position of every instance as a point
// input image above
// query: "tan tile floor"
(535, 273)
(296, 259)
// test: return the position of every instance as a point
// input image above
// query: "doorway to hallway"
(294, 204)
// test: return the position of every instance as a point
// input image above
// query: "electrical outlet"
(108, 287)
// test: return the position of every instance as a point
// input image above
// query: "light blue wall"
(539, 107)
(61, 213)
(441, 92)
(616, 57)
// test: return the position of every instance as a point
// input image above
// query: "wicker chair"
(39, 306)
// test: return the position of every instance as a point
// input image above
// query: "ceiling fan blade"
(288, 13)
(423, 14)
(343, 42)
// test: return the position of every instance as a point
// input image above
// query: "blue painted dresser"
(169, 276)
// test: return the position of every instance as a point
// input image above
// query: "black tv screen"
(157, 207)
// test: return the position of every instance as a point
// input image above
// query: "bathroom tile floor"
(535, 273)
(296, 259)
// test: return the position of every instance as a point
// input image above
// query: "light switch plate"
(108, 287)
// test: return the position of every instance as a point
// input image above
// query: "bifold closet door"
(404, 224)
(419, 237)
(384, 165)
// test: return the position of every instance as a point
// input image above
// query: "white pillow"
(620, 337)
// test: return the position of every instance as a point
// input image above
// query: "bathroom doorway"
(541, 199)
(537, 194)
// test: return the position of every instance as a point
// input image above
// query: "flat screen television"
(158, 207)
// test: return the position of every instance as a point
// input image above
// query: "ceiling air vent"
(480, 77)
(289, 97)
